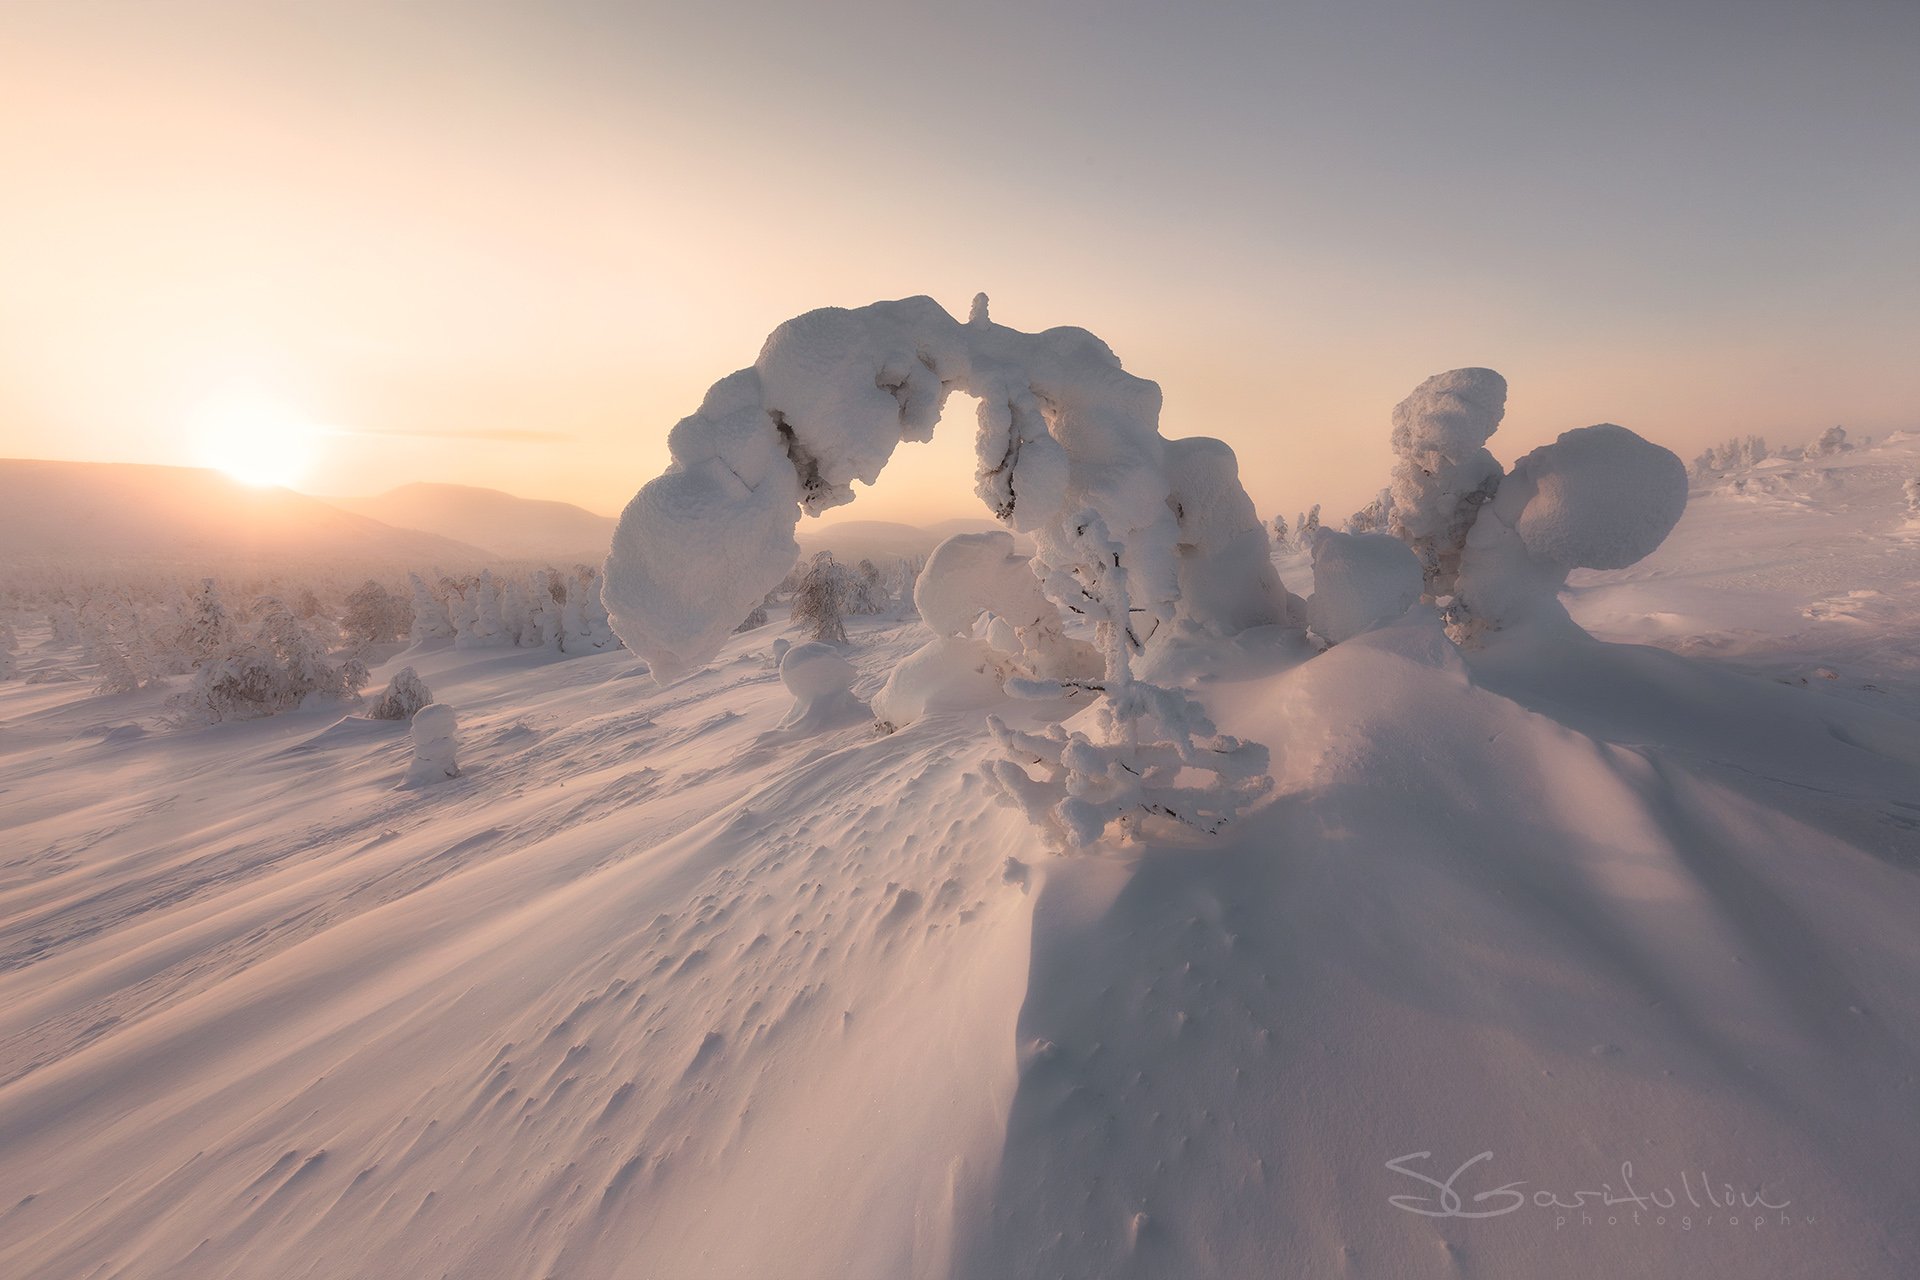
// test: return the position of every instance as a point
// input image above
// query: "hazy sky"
(510, 244)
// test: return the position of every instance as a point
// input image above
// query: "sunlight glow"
(253, 438)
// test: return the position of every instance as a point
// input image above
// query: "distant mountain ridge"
(87, 513)
(511, 527)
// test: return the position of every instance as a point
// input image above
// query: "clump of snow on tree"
(1445, 473)
(1360, 581)
(405, 694)
(1599, 497)
(435, 746)
(821, 682)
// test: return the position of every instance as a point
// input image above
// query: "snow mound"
(1226, 576)
(1360, 581)
(821, 682)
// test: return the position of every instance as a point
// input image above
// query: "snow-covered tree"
(122, 668)
(1069, 452)
(1360, 581)
(546, 611)
(430, 618)
(819, 602)
(210, 627)
(1913, 496)
(865, 593)
(405, 694)
(480, 624)
(753, 621)
(1597, 498)
(374, 615)
(1444, 473)
(275, 668)
(584, 624)
(1375, 516)
(1282, 536)
(1832, 441)
(435, 746)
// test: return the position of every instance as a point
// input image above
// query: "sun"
(253, 438)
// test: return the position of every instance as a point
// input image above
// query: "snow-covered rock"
(1360, 581)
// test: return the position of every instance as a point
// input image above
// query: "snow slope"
(659, 988)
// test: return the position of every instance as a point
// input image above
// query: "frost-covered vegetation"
(1138, 551)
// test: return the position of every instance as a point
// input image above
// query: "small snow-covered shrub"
(435, 746)
(1832, 441)
(1599, 497)
(1445, 473)
(821, 682)
(819, 601)
(276, 668)
(1360, 581)
(405, 694)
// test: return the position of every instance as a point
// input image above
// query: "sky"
(510, 244)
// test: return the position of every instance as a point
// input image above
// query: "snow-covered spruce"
(1599, 497)
(435, 746)
(1360, 581)
(430, 620)
(1068, 450)
(1444, 473)
(405, 694)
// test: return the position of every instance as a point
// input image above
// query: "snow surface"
(657, 988)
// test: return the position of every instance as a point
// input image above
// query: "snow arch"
(1068, 450)
(1064, 434)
